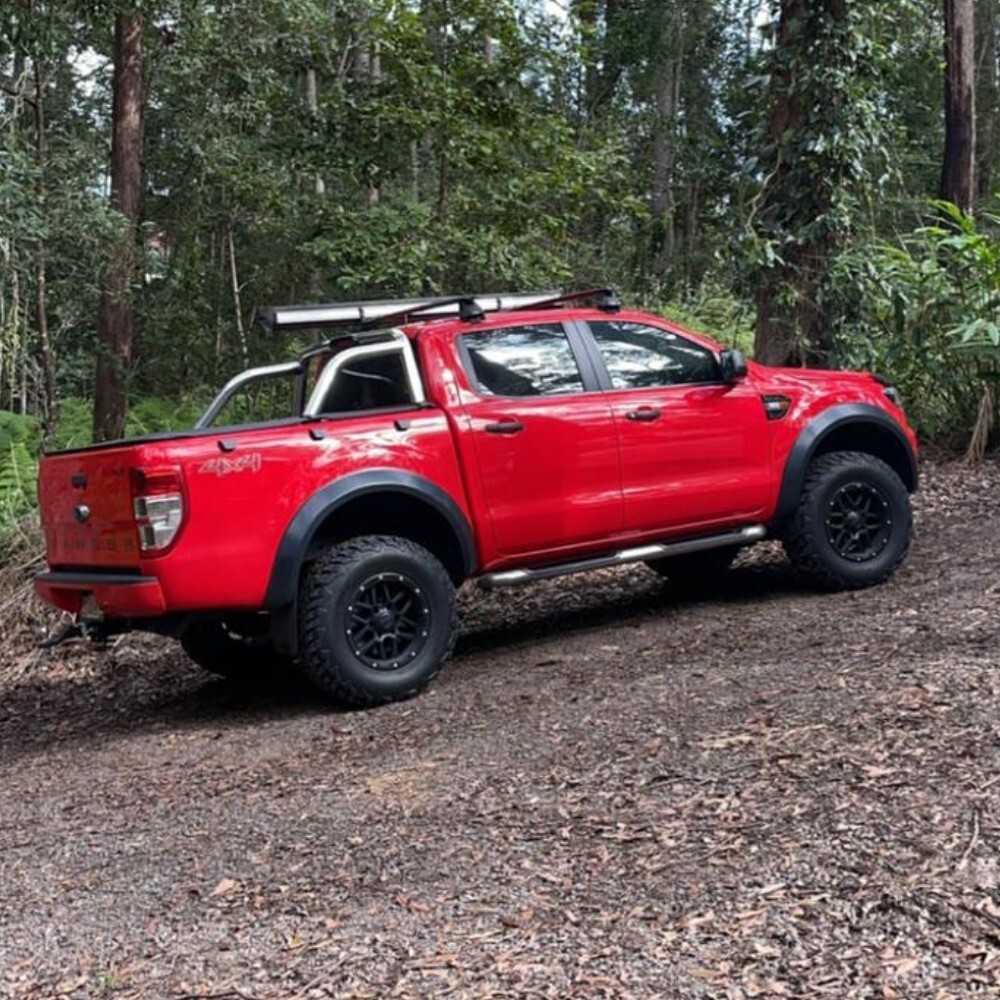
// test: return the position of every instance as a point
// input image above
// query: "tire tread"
(314, 607)
(805, 526)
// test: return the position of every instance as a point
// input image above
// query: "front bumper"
(114, 595)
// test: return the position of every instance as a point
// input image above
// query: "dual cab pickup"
(430, 442)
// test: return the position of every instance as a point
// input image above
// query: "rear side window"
(639, 356)
(369, 382)
(523, 361)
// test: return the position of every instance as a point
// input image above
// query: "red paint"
(579, 477)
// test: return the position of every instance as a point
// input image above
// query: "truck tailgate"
(86, 502)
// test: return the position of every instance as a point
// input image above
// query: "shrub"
(926, 313)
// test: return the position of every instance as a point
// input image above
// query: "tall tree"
(987, 96)
(958, 170)
(820, 127)
(116, 314)
(668, 76)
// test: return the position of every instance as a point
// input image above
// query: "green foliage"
(715, 312)
(926, 313)
(480, 145)
(156, 414)
(19, 442)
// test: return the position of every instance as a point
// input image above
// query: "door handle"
(644, 415)
(505, 427)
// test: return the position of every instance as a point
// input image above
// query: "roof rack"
(388, 312)
(364, 314)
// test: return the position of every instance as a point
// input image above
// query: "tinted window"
(524, 361)
(639, 356)
(369, 383)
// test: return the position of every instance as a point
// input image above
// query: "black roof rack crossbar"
(432, 307)
(607, 299)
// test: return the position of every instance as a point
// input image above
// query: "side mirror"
(733, 365)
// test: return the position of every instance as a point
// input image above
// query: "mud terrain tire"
(853, 524)
(377, 620)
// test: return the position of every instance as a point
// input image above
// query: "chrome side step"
(510, 578)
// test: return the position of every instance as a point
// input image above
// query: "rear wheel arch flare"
(397, 503)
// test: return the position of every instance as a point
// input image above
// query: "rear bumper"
(116, 595)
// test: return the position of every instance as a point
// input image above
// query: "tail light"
(158, 506)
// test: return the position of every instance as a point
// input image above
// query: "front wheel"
(853, 524)
(377, 620)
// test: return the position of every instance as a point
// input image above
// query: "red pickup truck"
(500, 439)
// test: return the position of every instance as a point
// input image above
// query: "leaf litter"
(615, 790)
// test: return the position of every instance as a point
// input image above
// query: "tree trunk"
(958, 170)
(667, 99)
(312, 106)
(987, 97)
(234, 280)
(50, 406)
(368, 74)
(115, 318)
(776, 340)
(792, 327)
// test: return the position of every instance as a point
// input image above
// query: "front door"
(694, 450)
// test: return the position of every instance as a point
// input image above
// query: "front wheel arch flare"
(850, 427)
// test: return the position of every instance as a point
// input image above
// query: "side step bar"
(510, 578)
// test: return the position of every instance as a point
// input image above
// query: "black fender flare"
(282, 589)
(812, 435)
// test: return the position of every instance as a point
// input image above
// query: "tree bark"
(51, 404)
(958, 170)
(312, 106)
(667, 100)
(792, 328)
(368, 74)
(115, 318)
(987, 97)
(234, 284)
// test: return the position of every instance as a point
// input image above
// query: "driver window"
(638, 356)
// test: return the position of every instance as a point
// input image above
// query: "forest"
(813, 180)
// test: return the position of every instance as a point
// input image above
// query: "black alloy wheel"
(858, 521)
(389, 621)
(377, 620)
(853, 524)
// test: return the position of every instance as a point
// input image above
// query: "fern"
(18, 484)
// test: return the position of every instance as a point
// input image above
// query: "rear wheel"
(377, 620)
(238, 650)
(695, 569)
(853, 524)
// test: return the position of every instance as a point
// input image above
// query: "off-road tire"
(241, 657)
(695, 570)
(358, 603)
(819, 538)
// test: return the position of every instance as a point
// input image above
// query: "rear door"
(543, 437)
(694, 450)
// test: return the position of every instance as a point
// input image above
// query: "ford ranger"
(419, 444)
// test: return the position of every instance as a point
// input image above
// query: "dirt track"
(611, 792)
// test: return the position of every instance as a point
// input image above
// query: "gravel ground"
(613, 791)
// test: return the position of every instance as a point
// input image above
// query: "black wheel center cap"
(853, 519)
(385, 619)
